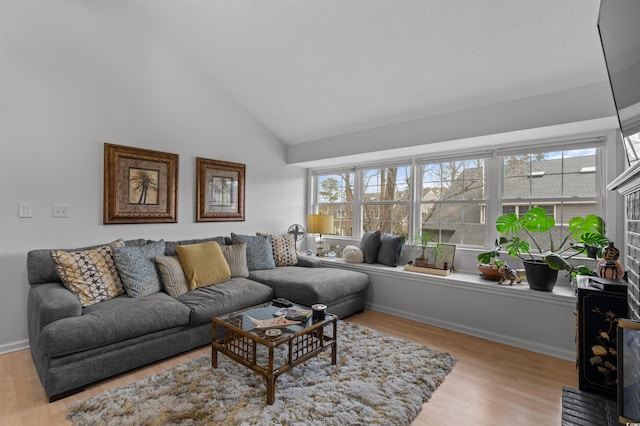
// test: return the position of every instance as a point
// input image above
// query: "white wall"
(76, 74)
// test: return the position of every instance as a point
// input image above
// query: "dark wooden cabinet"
(600, 305)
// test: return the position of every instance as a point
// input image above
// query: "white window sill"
(562, 294)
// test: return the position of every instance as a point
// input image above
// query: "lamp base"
(320, 247)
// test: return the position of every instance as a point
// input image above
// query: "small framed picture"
(219, 191)
(140, 185)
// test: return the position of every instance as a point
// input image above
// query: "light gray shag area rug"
(378, 380)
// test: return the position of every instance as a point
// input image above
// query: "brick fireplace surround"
(628, 184)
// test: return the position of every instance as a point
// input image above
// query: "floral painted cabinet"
(598, 314)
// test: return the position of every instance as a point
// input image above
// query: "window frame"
(493, 182)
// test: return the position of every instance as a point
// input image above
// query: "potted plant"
(427, 259)
(489, 263)
(542, 266)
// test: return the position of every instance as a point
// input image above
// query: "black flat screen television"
(619, 28)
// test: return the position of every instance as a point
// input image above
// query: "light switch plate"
(25, 210)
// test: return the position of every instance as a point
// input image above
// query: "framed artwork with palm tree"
(140, 185)
(219, 191)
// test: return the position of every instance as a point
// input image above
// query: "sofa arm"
(309, 262)
(48, 303)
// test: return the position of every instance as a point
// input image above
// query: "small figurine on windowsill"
(507, 273)
(609, 266)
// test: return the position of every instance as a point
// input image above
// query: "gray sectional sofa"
(73, 346)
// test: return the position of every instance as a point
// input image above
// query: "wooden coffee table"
(236, 336)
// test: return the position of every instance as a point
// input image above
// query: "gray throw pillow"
(173, 277)
(137, 268)
(259, 252)
(390, 249)
(236, 257)
(370, 244)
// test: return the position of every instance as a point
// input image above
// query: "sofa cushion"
(170, 246)
(90, 274)
(173, 277)
(236, 257)
(203, 264)
(370, 244)
(112, 321)
(208, 302)
(390, 249)
(307, 286)
(137, 268)
(284, 249)
(259, 252)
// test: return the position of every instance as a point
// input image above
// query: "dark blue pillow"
(390, 249)
(370, 244)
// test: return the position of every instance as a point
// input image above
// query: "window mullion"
(357, 204)
(494, 192)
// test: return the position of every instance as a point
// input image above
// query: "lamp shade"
(320, 224)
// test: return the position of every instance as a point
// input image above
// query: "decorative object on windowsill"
(542, 269)
(435, 259)
(489, 262)
(320, 224)
(352, 254)
(507, 273)
(298, 233)
(609, 266)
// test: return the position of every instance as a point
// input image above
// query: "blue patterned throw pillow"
(137, 268)
(259, 252)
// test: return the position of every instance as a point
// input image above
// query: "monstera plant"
(585, 236)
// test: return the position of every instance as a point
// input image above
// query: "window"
(452, 198)
(562, 182)
(457, 199)
(385, 199)
(334, 196)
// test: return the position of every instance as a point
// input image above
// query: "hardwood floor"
(491, 384)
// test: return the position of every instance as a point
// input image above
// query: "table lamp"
(320, 224)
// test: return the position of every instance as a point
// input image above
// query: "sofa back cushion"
(170, 246)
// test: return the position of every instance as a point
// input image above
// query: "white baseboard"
(14, 346)
(483, 334)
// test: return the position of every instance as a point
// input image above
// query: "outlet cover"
(60, 210)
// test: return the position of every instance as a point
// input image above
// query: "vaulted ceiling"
(314, 69)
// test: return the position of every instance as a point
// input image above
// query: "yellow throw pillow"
(203, 264)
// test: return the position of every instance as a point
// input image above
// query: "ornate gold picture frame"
(219, 191)
(140, 185)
